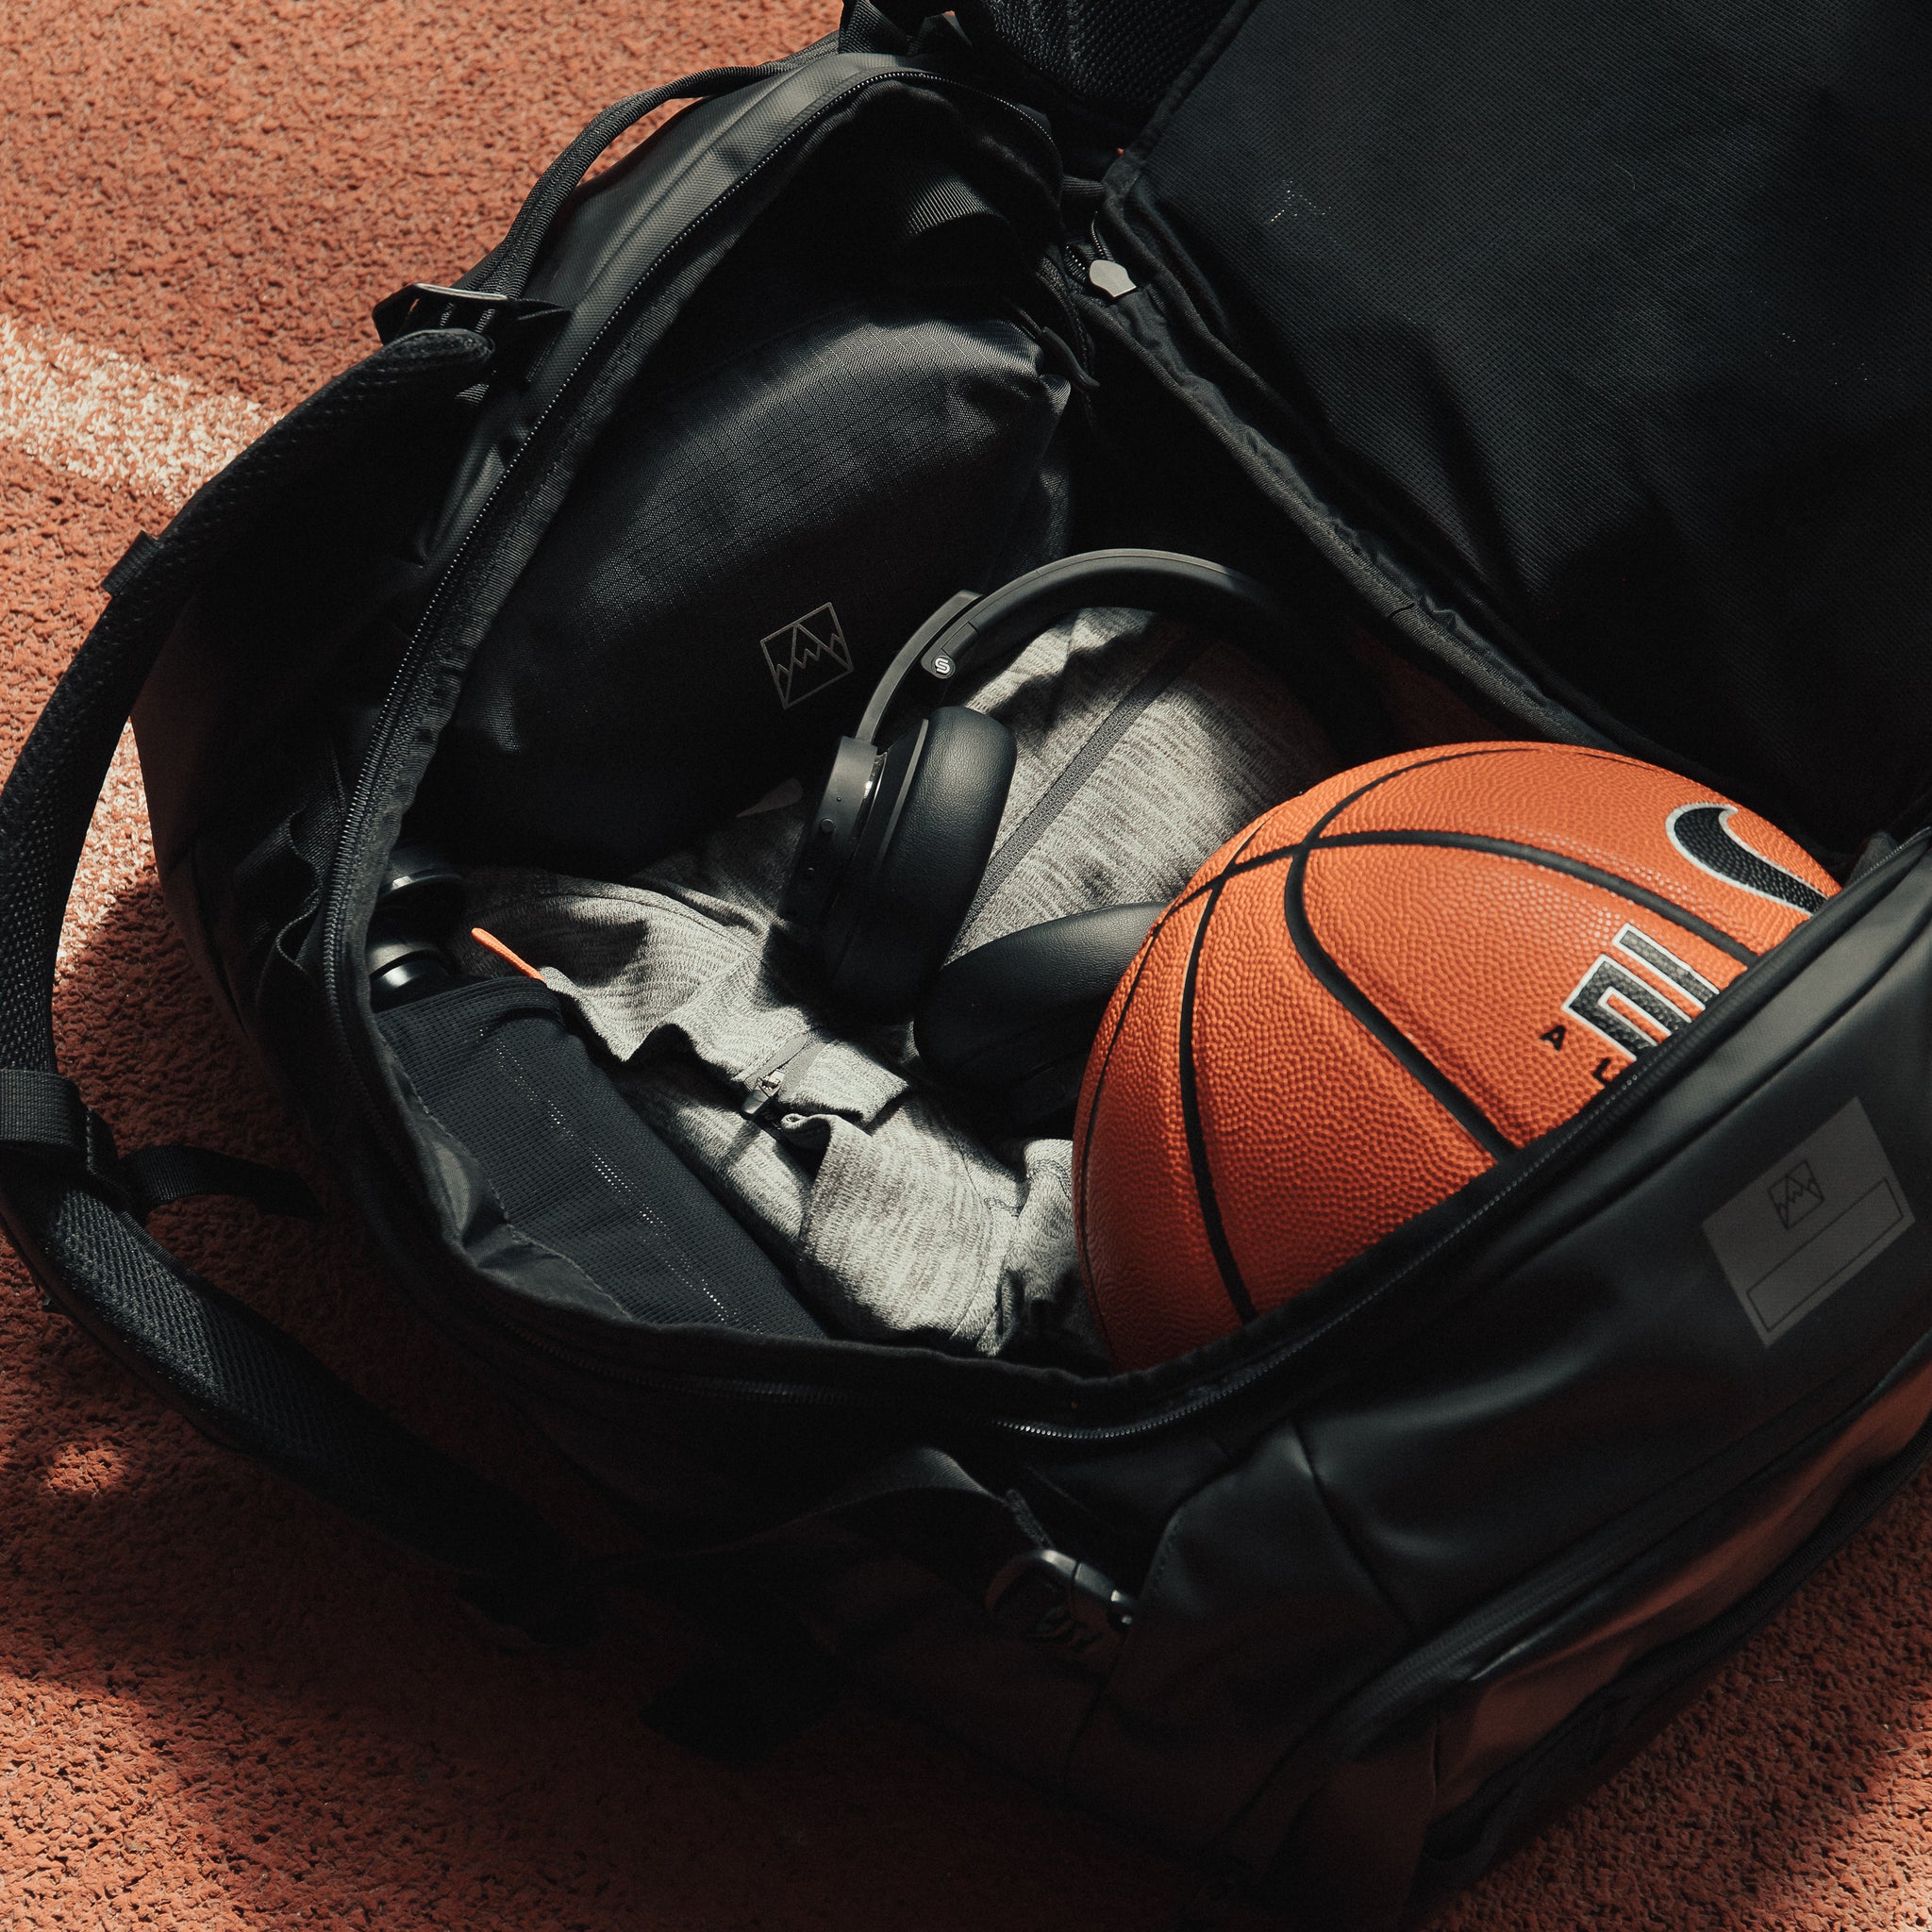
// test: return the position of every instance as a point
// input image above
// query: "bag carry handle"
(488, 298)
(506, 269)
(62, 1199)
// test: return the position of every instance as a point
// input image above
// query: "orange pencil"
(490, 943)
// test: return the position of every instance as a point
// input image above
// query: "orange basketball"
(1380, 989)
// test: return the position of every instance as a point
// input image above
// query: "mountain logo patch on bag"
(807, 655)
(1818, 1215)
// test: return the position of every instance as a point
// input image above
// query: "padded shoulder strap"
(234, 1376)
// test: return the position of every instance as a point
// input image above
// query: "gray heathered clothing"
(1136, 758)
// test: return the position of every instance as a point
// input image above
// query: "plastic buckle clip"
(508, 323)
(1049, 1597)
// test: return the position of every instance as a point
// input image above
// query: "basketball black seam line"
(1328, 817)
(1458, 1104)
(1503, 848)
(1313, 834)
(1231, 1282)
(1447, 757)
(1559, 861)
(1204, 1185)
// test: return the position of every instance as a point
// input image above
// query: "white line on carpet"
(112, 418)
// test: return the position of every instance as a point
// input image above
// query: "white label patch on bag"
(1810, 1223)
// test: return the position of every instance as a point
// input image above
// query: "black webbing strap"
(43, 1114)
(131, 565)
(151, 1178)
(489, 299)
(868, 28)
(65, 1197)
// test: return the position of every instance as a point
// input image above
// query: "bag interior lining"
(897, 1215)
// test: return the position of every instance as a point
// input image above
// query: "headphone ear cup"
(928, 833)
(1011, 1024)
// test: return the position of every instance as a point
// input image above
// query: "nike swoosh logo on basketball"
(1703, 834)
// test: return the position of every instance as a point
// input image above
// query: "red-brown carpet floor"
(220, 1706)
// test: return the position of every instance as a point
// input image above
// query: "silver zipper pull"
(766, 1082)
(1103, 273)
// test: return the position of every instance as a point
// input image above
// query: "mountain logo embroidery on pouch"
(807, 655)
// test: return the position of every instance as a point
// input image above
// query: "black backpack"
(1569, 361)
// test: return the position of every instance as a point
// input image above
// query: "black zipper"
(337, 997)
(1485, 1639)
(1632, 1090)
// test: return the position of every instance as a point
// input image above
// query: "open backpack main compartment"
(1567, 373)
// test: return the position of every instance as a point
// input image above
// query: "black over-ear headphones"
(897, 844)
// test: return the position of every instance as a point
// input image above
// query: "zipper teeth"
(1629, 1092)
(1375, 1705)
(378, 752)
(779, 1394)
(1385, 1698)
(1259, 1370)
(1210, 1398)
(1070, 312)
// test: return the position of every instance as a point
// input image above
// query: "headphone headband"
(969, 631)
(890, 858)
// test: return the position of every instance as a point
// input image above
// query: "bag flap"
(1601, 335)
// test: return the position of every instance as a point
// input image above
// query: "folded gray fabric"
(1142, 746)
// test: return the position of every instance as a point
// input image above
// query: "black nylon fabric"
(575, 1198)
(1613, 324)
(743, 553)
